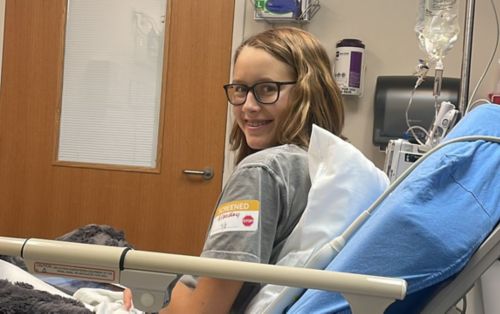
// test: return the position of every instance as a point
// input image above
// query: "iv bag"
(437, 27)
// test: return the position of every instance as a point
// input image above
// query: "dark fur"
(22, 298)
(96, 234)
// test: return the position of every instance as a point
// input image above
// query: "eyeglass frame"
(252, 88)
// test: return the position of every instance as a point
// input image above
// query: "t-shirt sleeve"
(245, 220)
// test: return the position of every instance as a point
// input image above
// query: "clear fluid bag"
(437, 27)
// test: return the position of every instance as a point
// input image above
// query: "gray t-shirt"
(257, 210)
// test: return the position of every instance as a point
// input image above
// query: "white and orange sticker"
(242, 215)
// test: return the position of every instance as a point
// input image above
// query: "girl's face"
(259, 121)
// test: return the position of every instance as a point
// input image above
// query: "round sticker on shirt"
(247, 220)
(242, 215)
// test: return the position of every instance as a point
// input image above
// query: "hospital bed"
(150, 274)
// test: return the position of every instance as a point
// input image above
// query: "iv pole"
(466, 57)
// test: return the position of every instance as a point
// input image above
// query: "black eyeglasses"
(266, 93)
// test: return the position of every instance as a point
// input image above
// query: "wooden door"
(166, 211)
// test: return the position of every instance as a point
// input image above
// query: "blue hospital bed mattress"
(426, 230)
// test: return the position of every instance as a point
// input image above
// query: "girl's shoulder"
(281, 157)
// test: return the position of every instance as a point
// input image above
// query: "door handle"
(207, 173)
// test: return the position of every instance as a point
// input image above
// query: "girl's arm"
(210, 296)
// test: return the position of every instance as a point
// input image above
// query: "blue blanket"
(428, 228)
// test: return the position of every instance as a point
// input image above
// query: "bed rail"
(150, 274)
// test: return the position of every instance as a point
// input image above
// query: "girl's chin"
(259, 145)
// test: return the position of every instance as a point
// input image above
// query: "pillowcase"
(343, 184)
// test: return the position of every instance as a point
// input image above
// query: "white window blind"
(111, 93)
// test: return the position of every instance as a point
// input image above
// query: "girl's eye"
(267, 88)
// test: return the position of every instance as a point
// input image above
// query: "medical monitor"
(392, 94)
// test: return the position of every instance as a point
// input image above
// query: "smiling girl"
(282, 85)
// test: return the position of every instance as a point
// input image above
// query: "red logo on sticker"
(248, 221)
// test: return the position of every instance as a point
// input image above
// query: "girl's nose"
(251, 104)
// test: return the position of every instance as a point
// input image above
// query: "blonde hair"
(314, 99)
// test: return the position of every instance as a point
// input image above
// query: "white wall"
(386, 27)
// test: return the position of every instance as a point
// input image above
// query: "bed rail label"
(80, 272)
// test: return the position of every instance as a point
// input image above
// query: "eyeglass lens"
(266, 93)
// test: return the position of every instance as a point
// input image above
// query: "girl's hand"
(127, 299)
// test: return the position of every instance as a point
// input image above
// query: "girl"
(282, 84)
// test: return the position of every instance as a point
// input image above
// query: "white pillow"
(344, 184)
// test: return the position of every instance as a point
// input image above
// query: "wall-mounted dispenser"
(349, 66)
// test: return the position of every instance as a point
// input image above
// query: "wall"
(386, 28)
